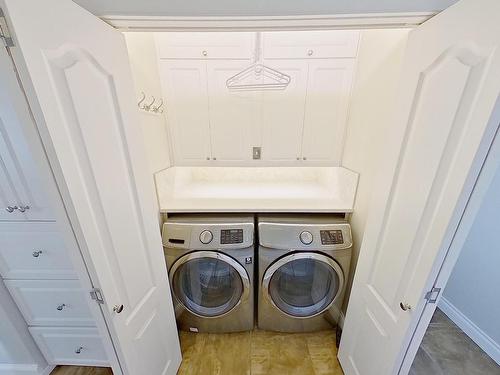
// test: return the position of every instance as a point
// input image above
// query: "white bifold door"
(441, 132)
(76, 72)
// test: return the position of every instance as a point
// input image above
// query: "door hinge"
(96, 295)
(432, 295)
(4, 31)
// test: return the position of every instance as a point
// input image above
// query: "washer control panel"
(331, 237)
(230, 236)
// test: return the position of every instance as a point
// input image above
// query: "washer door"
(303, 285)
(209, 284)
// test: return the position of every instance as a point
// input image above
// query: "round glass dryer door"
(208, 283)
(303, 284)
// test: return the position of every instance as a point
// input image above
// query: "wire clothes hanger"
(258, 77)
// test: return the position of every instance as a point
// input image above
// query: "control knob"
(306, 237)
(206, 237)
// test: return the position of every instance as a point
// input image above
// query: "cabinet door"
(78, 73)
(203, 45)
(283, 113)
(20, 184)
(185, 90)
(310, 44)
(233, 115)
(328, 91)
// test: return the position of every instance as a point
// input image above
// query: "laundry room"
(276, 128)
(236, 195)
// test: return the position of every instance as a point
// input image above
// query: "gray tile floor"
(446, 350)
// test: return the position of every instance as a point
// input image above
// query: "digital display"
(228, 236)
(331, 237)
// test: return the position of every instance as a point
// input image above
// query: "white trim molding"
(313, 22)
(24, 369)
(485, 342)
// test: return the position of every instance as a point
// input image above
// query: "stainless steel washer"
(303, 268)
(210, 267)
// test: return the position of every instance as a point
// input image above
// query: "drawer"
(217, 45)
(310, 44)
(70, 345)
(51, 302)
(33, 251)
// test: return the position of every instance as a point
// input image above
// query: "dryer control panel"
(208, 233)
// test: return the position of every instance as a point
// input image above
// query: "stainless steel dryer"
(210, 267)
(303, 268)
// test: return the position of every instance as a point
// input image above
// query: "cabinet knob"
(310, 52)
(79, 350)
(23, 208)
(405, 306)
(118, 308)
(204, 53)
(37, 253)
(11, 209)
(214, 158)
(208, 157)
(304, 158)
(61, 307)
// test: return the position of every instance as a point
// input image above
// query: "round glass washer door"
(208, 283)
(303, 285)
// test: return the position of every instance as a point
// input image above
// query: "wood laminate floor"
(83, 370)
(247, 353)
(258, 353)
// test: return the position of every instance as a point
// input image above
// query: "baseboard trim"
(24, 369)
(485, 342)
(47, 370)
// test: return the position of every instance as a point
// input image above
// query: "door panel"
(283, 113)
(325, 121)
(185, 91)
(449, 84)
(234, 116)
(79, 71)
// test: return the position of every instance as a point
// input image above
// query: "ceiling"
(194, 8)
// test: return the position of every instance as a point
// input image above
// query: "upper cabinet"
(328, 88)
(185, 91)
(233, 116)
(283, 113)
(302, 123)
(310, 44)
(205, 45)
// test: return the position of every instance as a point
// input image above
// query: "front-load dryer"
(210, 267)
(303, 269)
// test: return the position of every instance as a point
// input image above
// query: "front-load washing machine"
(303, 268)
(210, 267)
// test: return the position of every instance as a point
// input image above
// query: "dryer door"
(209, 284)
(303, 285)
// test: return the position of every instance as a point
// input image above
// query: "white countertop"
(252, 189)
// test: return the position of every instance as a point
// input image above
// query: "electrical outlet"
(256, 153)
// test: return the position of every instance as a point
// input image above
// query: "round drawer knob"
(79, 350)
(118, 308)
(37, 253)
(61, 307)
(206, 237)
(310, 52)
(405, 306)
(306, 238)
(204, 53)
(10, 209)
